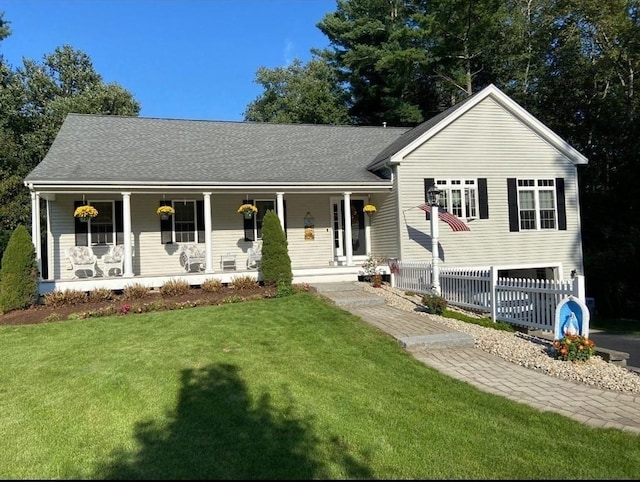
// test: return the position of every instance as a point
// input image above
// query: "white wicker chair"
(113, 261)
(82, 260)
(254, 256)
(192, 254)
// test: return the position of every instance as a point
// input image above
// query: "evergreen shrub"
(276, 264)
(434, 304)
(19, 272)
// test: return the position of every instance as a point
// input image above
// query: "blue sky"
(181, 59)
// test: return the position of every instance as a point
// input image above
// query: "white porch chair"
(82, 260)
(254, 255)
(192, 254)
(113, 260)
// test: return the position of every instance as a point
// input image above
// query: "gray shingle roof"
(94, 148)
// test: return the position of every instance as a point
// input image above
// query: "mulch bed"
(195, 297)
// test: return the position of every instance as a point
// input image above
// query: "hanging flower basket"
(248, 210)
(165, 211)
(370, 209)
(83, 213)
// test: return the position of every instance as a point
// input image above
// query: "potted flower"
(370, 209)
(248, 210)
(83, 213)
(165, 211)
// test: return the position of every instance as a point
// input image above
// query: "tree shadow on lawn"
(215, 433)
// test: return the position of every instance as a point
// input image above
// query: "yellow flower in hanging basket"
(165, 211)
(247, 208)
(369, 209)
(86, 211)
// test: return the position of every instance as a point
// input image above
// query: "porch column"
(126, 225)
(35, 229)
(208, 260)
(348, 242)
(280, 208)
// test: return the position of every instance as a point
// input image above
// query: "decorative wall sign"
(309, 227)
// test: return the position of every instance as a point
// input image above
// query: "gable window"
(459, 197)
(102, 228)
(537, 204)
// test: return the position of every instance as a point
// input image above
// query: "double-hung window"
(537, 204)
(184, 222)
(459, 197)
(102, 228)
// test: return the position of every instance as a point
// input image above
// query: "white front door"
(358, 228)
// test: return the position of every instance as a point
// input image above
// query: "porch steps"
(414, 332)
(437, 341)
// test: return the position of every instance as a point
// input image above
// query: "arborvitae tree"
(19, 273)
(276, 264)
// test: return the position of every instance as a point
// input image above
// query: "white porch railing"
(530, 303)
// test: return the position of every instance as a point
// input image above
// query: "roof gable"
(420, 134)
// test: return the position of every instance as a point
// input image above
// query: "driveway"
(619, 342)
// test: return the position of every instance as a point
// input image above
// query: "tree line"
(571, 63)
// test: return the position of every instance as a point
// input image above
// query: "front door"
(358, 233)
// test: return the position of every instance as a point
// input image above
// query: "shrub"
(284, 289)
(19, 272)
(243, 283)
(573, 348)
(175, 287)
(136, 290)
(100, 294)
(58, 298)
(434, 304)
(212, 285)
(276, 264)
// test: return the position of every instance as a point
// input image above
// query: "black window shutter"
(483, 198)
(562, 208)
(512, 199)
(200, 220)
(165, 226)
(118, 216)
(82, 229)
(284, 208)
(248, 223)
(428, 182)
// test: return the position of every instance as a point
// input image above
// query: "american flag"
(447, 217)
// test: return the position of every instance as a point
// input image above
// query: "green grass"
(483, 321)
(286, 388)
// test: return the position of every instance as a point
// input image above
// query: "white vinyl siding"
(488, 142)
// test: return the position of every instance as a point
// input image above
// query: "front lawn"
(284, 388)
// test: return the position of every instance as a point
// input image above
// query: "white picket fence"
(529, 303)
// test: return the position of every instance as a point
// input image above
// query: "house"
(502, 172)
